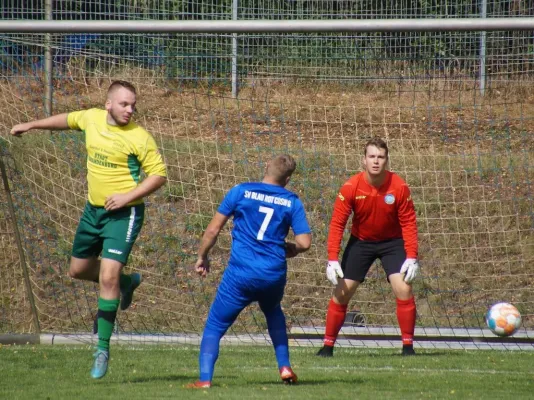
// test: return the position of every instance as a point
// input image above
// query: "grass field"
(149, 372)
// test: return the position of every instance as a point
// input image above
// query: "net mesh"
(467, 157)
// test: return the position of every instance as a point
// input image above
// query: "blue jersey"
(263, 214)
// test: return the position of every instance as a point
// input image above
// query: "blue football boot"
(100, 365)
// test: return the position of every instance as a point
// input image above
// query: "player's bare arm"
(302, 244)
(58, 121)
(202, 266)
(149, 185)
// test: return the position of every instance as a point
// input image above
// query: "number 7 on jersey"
(268, 215)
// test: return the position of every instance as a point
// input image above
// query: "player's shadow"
(432, 354)
(176, 380)
(417, 355)
(315, 381)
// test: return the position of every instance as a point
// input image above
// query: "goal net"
(454, 107)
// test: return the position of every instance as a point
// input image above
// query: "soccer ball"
(503, 319)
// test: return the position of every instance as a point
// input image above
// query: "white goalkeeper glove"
(333, 270)
(410, 268)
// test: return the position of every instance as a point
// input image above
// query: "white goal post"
(274, 26)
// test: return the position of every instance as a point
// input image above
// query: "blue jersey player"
(263, 213)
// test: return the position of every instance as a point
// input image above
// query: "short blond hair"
(118, 84)
(281, 167)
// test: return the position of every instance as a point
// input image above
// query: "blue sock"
(276, 323)
(209, 352)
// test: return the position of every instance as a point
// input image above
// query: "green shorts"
(110, 233)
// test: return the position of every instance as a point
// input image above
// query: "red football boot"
(288, 376)
(199, 385)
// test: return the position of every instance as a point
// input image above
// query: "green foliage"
(173, 192)
(197, 223)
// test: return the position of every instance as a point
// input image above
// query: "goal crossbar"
(251, 26)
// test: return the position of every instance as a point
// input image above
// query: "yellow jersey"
(115, 155)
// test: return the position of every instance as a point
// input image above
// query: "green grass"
(147, 372)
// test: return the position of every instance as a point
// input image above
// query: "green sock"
(107, 311)
(125, 281)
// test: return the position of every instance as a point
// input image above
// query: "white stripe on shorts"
(130, 224)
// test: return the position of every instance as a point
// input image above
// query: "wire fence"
(342, 57)
(262, 9)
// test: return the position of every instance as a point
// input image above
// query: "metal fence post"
(235, 89)
(49, 65)
(482, 56)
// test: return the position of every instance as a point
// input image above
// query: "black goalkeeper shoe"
(326, 351)
(408, 350)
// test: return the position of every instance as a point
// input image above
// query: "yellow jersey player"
(117, 150)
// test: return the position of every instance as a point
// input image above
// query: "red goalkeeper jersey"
(379, 214)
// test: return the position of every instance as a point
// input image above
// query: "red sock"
(335, 317)
(406, 313)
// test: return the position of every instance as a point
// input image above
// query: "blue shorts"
(236, 292)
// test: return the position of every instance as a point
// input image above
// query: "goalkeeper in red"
(384, 227)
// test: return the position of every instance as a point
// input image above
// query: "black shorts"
(359, 255)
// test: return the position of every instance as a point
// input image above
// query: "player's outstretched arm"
(58, 121)
(208, 241)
